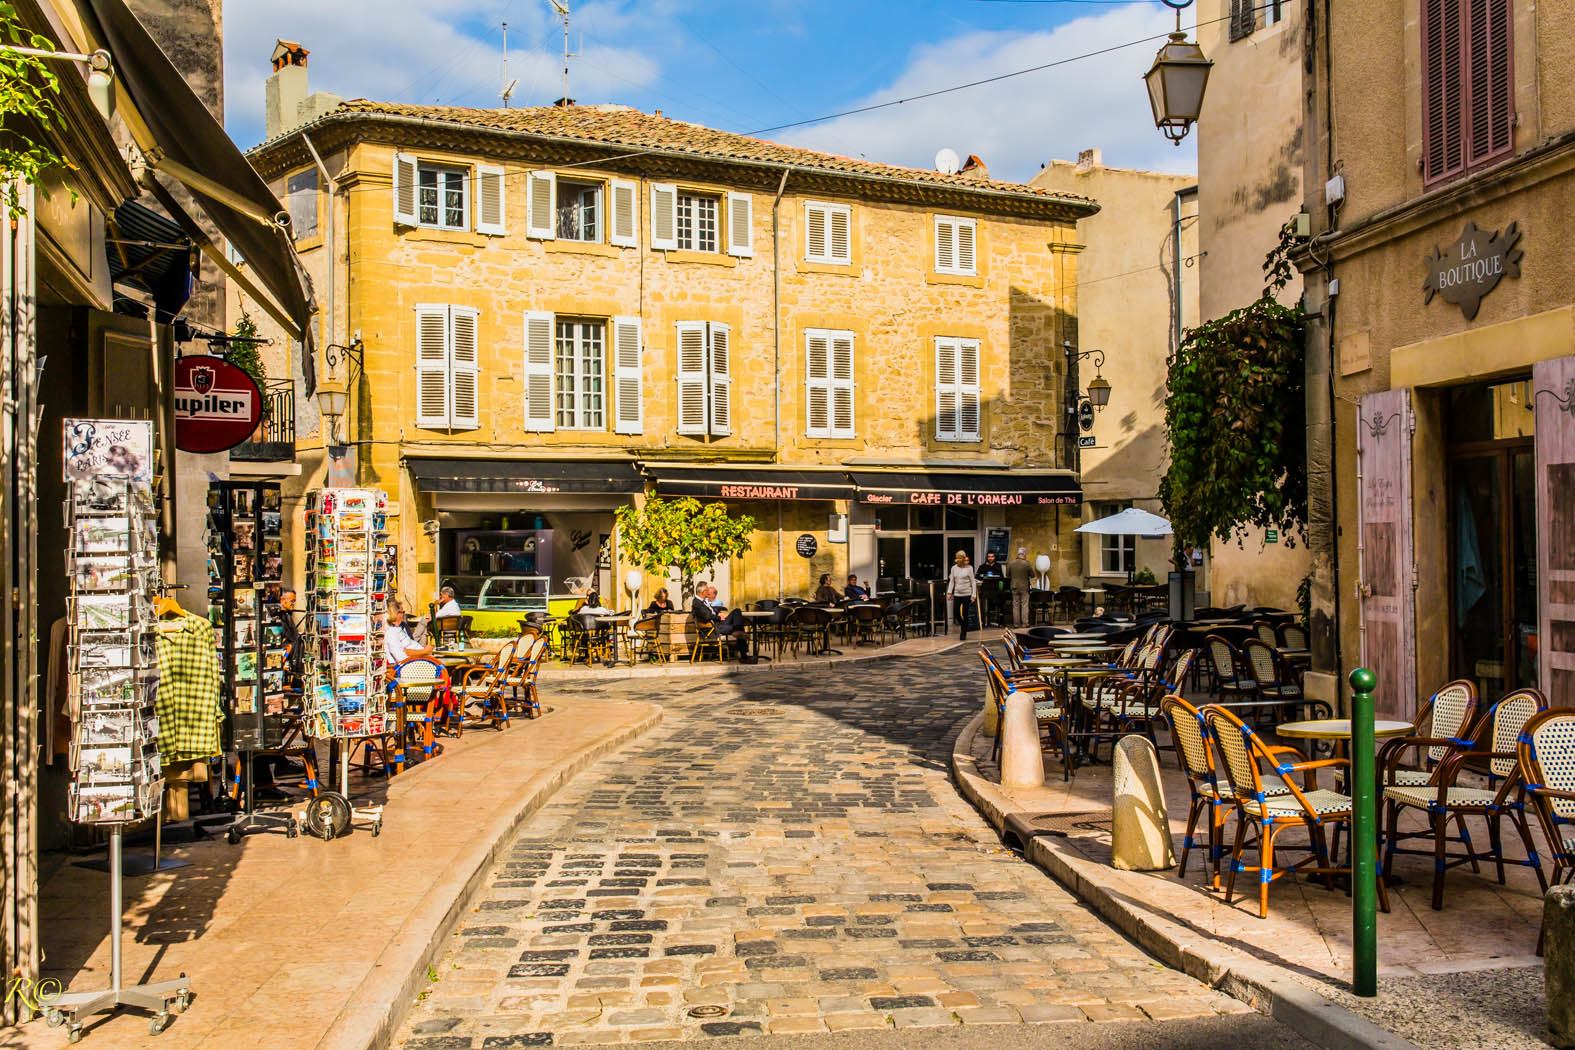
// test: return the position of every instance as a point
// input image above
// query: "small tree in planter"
(682, 533)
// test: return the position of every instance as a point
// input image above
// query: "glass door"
(1493, 568)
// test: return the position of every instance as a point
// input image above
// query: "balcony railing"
(274, 438)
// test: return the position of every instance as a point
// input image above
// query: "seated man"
(447, 604)
(729, 626)
(398, 646)
(853, 592)
(825, 594)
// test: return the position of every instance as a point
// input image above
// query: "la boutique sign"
(1472, 267)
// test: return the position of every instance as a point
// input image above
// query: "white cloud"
(1018, 124)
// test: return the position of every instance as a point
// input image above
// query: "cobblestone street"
(785, 853)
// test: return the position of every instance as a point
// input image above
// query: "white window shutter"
(839, 222)
(815, 232)
(538, 370)
(817, 384)
(945, 245)
(968, 389)
(664, 217)
(692, 415)
(945, 386)
(965, 253)
(842, 384)
(541, 220)
(629, 410)
(489, 200)
(624, 229)
(432, 385)
(464, 369)
(721, 363)
(404, 189)
(740, 225)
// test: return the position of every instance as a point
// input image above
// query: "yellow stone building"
(560, 310)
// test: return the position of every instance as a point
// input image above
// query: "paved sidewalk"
(298, 943)
(776, 859)
(908, 648)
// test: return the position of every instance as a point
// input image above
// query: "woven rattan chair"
(1232, 681)
(1444, 718)
(1293, 637)
(1265, 632)
(1276, 685)
(1490, 751)
(1269, 815)
(420, 687)
(482, 688)
(1545, 754)
(1049, 709)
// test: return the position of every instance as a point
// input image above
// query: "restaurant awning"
(180, 138)
(525, 476)
(150, 253)
(748, 481)
(964, 488)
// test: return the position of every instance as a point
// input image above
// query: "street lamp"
(1099, 387)
(333, 396)
(1177, 80)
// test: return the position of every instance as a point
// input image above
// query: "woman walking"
(962, 589)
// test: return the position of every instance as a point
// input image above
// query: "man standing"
(729, 626)
(990, 574)
(1020, 575)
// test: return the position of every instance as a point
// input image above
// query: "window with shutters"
(581, 374)
(828, 233)
(441, 197)
(1274, 12)
(956, 389)
(1468, 90)
(447, 367)
(697, 222)
(705, 378)
(954, 245)
(301, 199)
(828, 383)
(1117, 554)
(579, 211)
(1243, 18)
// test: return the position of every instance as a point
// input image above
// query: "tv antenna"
(508, 85)
(563, 12)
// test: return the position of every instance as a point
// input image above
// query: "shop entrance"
(1492, 537)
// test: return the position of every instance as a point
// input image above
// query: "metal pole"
(114, 907)
(1364, 838)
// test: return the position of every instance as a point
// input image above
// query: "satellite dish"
(947, 162)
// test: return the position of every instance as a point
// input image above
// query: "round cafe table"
(755, 618)
(1337, 729)
(1054, 662)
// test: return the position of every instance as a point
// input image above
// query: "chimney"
(563, 103)
(974, 168)
(1089, 159)
(286, 102)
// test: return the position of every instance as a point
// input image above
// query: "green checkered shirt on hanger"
(189, 706)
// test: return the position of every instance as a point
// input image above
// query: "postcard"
(245, 666)
(103, 535)
(244, 535)
(270, 499)
(108, 447)
(105, 727)
(271, 522)
(245, 602)
(241, 501)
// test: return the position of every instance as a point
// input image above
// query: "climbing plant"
(1235, 413)
(245, 353)
(27, 107)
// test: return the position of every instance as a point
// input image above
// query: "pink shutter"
(1554, 383)
(1491, 78)
(1443, 90)
(1388, 598)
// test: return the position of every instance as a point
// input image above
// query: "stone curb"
(726, 670)
(377, 1007)
(1258, 984)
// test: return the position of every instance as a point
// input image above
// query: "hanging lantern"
(1099, 391)
(1175, 86)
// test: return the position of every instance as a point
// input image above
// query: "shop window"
(581, 373)
(579, 211)
(441, 197)
(926, 519)
(301, 200)
(961, 519)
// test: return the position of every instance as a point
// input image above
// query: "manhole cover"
(707, 1011)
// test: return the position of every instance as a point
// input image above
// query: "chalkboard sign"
(998, 540)
(806, 546)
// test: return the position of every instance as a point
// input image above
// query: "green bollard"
(1364, 838)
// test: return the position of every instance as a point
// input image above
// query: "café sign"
(1471, 267)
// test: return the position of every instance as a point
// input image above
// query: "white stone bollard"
(1141, 827)
(991, 715)
(1022, 760)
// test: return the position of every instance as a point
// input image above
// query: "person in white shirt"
(398, 646)
(447, 604)
(962, 589)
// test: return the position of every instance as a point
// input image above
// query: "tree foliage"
(1236, 418)
(27, 108)
(682, 533)
(247, 355)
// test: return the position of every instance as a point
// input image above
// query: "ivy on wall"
(27, 107)
(1236, 417)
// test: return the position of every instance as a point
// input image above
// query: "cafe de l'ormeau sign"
(1472, 266)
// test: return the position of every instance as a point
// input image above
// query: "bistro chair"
(521, 679)
(866, 623)
(1265, 632)
(1275, 684)
(420, 688)
(1268, 815)
(1545, 754)
(1444, 718)
(1231, 682)
(707, 638)
(1049, 708)
(1490, 751)
(482, 687)
(643, 638)
(448, 632)
(1293, 637)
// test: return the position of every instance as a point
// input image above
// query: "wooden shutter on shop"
(1243, 18)
(1554, 386)
(541, 205)
(623, 229)
(664, 217)
(1443, 70)
(432, 382)
(740, 224)
(817, 384)
(627, 388)
(1386, 560)
(815, 232)
(1491, 130)
(490, 218)
(720, 363)
(538, 370)
(404, 189)
(842, 384)
(692, 415)
(464, 369)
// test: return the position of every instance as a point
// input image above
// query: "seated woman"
(590, 603)
(825, 594)
(659, 604)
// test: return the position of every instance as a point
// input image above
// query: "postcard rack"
(245, 563)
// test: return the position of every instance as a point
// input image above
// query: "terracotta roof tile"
(623, 126)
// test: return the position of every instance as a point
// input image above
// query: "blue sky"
(750, 65)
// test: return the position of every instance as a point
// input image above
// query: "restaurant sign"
(973, 499)
(217, 405)
(1472, 266)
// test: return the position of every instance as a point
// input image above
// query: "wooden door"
(1554, 386)
(1385, 553)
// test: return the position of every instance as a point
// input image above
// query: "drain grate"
(707, 1011)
